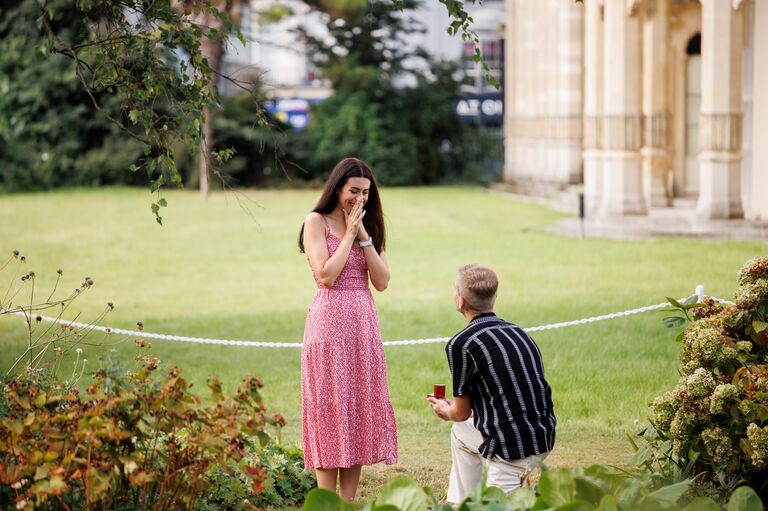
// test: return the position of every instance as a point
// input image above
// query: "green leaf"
(588, 491)
(162, 202)
(576, 505)
(521, 498)
(666, 496)
(691, 300)
(557, 487)
(674, 302)
(403, 493)
(759, 326)
(673, 321)
(745, 499)
(702, 504)
(320, 499)
(608, 503)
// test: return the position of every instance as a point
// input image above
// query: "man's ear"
(461, 303)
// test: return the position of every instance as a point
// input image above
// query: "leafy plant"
(285, 481)
(597, 488)
(410, 135)
(714, 423)
(131, 439)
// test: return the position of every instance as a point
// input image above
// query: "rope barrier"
(269, 344)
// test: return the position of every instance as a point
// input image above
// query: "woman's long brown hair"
(374, 214)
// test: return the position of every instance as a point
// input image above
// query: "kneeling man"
(502, 411)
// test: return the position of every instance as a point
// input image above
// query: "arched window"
(694, 45)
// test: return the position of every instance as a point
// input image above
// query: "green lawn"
(229, 268)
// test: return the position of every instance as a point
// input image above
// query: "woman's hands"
(354, 222)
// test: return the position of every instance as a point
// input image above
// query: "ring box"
(438, 392)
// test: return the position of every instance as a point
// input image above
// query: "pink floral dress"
(347, 415)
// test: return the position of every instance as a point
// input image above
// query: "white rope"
(409, 342)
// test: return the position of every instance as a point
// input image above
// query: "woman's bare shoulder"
(314, 218)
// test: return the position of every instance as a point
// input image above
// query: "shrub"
(595, 488)
(715, 420)
(285, 481)
(131, 439)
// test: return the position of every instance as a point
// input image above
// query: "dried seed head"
(140, 326)
(15, 253)
(60, 271)
(38, 318)
(111, 305)
(23, 259)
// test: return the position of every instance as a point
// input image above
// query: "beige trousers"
(467, 465)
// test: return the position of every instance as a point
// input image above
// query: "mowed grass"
(229, 268)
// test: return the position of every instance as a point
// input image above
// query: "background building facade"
(647, 103)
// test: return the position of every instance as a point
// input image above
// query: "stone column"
(622, 121)
(570, 58)
(720, 124)
(593, 105)
(510, 89)
(655, 157)
(546, 67)
(759, 209)
(526, 82)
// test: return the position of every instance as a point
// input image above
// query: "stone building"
(650, 104)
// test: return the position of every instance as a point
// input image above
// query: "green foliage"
(284, 482)
(597, 488)
(49, 135)
(139, 64)
(714, 423)
(262, 145)
(409, 135)
(132, 439)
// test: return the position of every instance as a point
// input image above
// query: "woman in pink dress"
(347, 415)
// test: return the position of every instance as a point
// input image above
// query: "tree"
(409, 134)
(212, 22)
(49, 135)
(149, 55)
(153, 59)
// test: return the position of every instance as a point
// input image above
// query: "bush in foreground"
(714, 423)
(597, 488)
(130, 439)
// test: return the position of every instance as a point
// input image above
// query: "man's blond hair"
(477, 285)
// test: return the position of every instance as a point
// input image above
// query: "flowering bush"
(715, 420)
(131, 439)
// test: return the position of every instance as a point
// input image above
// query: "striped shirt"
(499, 367)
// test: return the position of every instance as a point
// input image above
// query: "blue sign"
(486, 109)
(294, 112)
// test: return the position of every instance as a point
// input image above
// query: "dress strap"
(327, 225)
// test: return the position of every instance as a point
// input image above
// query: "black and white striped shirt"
(499, 367)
